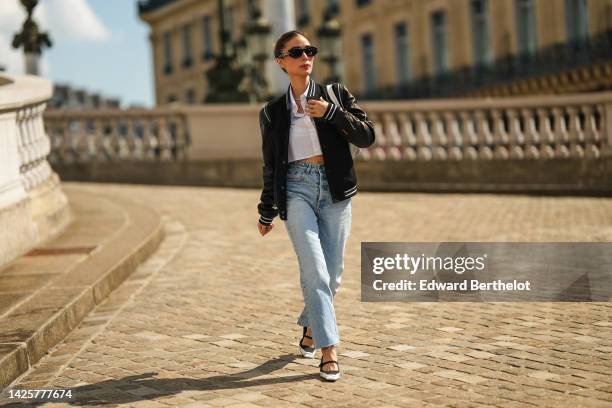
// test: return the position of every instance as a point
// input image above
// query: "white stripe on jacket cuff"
(264, 221)
(331, 112)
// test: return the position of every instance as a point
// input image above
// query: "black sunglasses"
(296, 52)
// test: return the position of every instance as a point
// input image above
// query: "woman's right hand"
(264, 229)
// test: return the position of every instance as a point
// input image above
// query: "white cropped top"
(303, 137)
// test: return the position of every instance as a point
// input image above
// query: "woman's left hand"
(316, 107)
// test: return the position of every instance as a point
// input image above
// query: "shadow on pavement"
(146, 387)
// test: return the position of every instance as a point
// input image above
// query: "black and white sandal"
(308, 352)
(331, 375)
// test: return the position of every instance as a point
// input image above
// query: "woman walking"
(309, 179)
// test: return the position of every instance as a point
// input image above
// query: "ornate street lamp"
(245, 61)
(31, 39)
(224, 78)
(258, 44)
(330, 37)
(243, 54)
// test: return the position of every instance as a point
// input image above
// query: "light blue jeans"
(318, 229)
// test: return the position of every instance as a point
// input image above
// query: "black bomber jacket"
(336, 129)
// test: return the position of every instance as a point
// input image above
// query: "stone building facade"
(403, 49)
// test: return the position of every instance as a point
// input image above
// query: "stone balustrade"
(117, 134)
(537, 127)
(541, 127)
(537, 143)
(33, 146)
(32, 205)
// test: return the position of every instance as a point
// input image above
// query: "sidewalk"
(209, 319)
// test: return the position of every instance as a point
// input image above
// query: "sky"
(98, 45)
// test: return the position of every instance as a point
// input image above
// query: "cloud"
(68, 21)
(71, 20)
(10, 59)
(11, 16)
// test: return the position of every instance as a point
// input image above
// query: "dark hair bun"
(284, 39)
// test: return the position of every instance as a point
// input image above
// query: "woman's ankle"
(329, 350)
(329, 353)
(308, 342)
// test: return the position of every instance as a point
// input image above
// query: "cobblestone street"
(209, 319)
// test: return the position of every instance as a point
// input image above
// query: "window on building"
(402, 52)
(332, 6)
(527, 39)
(303, 13)
(190, 96)
(229, 21)
(207, 52)
(171, 98)
(361, 3)
(167, 40)
(369, 70)
(251, 7)
(439, 35)
(187, 56)
(480, 31)
(576, 19)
